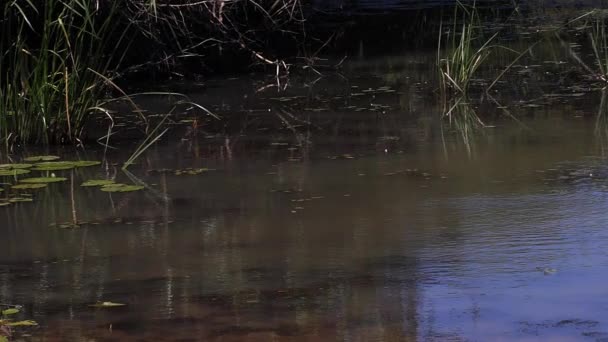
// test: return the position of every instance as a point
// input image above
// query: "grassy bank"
(51, 55)
(60, 59)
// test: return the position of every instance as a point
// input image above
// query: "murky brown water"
(342, 208)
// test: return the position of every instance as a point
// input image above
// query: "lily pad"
(15, 166)
(26, 323)
(191, 171)
(68, 225)
(86, 163)
(29, 186)
(98, 182)
(118, 187)
(4, 204)
(40, 158)
(10, 311)
(53, 166)
(106, 305)
(63, 165)
(43, 180)
(13, 172)
(20, 199)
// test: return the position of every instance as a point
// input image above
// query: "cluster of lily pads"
(42, 163)
(49, 163)
(7, 323)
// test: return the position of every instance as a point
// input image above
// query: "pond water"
(343, 206)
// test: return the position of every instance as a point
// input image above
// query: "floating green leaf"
(43, 180)
(4, 204)
(40, 158)
(63, 165)
(86, 163)
(98, 182)
(20, 199)
(10, 311)
(118, 187)
(29, 186)
(191, 171)
(26, 323)
(106, 305)
(13, 172)
(68, 225)
(15, 166)
(53, 166)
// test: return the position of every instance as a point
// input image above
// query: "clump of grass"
(463, 50)
(47, 84)
(56, 56)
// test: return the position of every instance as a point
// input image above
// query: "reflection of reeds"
(463, 52)
(601, 123)
(463, 119)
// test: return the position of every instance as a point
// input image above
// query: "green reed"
(49, 51)
(462, 50)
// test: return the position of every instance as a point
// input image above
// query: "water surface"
(344, 207)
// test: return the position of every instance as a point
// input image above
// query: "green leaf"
(191, 171)
(86, 163)
(118, 187)
(53, 166)
(13, 172)
(63, 165)
(26, 323)
(20, 199)
(106, 305)
(15, 166)
(30, 186)
(67, 225)
(40, 158)
(10, 311)
(43, 180)
(98, 182)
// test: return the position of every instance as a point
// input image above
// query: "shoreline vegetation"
(61, 61)
(65, 62)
